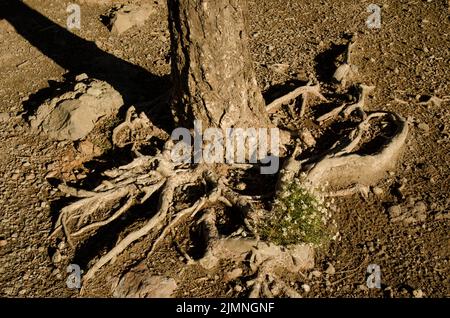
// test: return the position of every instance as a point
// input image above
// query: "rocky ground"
(402, 225)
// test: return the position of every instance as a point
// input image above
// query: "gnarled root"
(303, 91)
(342, 168)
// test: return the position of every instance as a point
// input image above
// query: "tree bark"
(212, 69)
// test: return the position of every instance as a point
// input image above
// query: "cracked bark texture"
(212, 69)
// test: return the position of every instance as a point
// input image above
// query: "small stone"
(56, 258)
(418, 293)
(420, 207)
(395, 211)
(378, 191)
(61, 245)
(140, 284)
(330, 270)
(81, 77)
(306, 288)
(424, 127)
(128, 16)
(3, 243)
(4, 117)
(238, 288)
(316, 274)
(234, 274)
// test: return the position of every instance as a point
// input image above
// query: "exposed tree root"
(125, 187)
(341, 168)
(304, 91)
(346, 70)
(345, 109)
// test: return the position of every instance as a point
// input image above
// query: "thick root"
(303, 91)
(343, 168)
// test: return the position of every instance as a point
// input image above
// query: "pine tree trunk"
(212, 69)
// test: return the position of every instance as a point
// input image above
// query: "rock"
(316, 274)
(342, 72)
(3, 243)
(330, 270)
(88, 149)
(81, 77)
(378, 191)
(238, 288)
(140, 284)
(56, 258)
(234, 274)
(61, 245)
(424, 127)
(306, 288)
(395, 211)
(418, 293)
(4, 117)
(125, 17)
(279, 68)
(73, 115)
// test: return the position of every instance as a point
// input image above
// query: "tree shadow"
(325, 62)
(77, 55)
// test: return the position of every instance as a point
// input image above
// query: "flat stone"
(73, 115)
(141, 284)
(129, 16)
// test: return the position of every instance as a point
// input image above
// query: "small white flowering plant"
(299, 215)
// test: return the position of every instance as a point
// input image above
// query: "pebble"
(418, 293)
(420, 207)
(378, 191)
(395, 211)
(56, 258)
(61, 245)
(424, 127)
(4, 117)
(316, 274)
(234, 274)
(3, 243)
(306, 288)
(330, 270)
